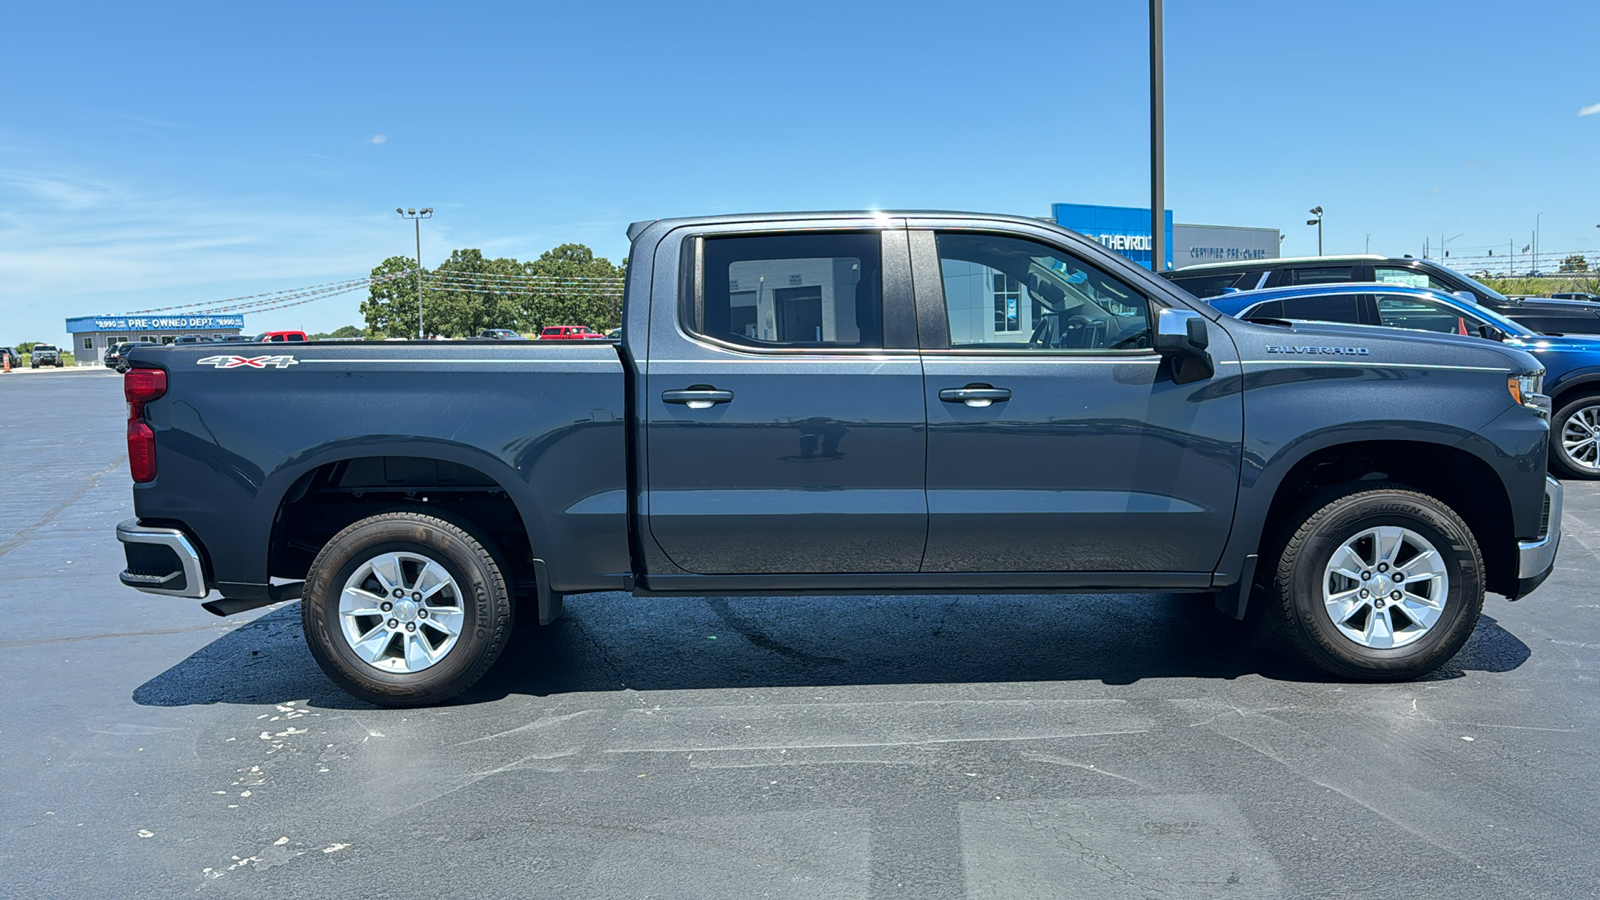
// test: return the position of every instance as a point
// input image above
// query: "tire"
(1310, 596)
(1576, 454)
(373, 652)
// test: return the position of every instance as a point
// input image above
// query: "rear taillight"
(140, 386)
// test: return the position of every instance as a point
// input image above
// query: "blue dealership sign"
(1121, 229)
(152, 323)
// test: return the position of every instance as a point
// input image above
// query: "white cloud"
(76, 246)
(380, 138)
(1589, 110)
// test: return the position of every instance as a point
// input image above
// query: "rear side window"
(296, 337)
(1343, 308)
(1321, 275)
(805, 290)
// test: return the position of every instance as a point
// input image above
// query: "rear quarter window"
(1212, 284)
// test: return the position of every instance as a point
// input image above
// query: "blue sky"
(154, 154)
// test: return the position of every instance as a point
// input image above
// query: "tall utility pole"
(1317, 211)
(416, 216)
(1158, 179)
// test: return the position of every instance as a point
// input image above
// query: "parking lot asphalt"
(1115, 746)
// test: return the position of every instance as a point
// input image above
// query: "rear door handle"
(697, 397)
(976, 396)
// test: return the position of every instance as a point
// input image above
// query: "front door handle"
(698, 397)
(976, 396)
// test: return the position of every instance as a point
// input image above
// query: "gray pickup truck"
(44, 355)
(848, 403)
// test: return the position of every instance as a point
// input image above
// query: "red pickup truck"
(570, 333)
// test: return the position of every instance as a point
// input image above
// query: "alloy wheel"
(401, 612)
(1385, 587)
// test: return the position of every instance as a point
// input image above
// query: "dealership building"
(93, 335)
(1126, 230)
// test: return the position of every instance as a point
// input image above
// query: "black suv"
(117, 354)
(1545, 316)
(44, 355)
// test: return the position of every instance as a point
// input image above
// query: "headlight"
(1528, 390)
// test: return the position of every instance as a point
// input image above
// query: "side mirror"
(1182, 336)
(1492, 333)
(1468, 296)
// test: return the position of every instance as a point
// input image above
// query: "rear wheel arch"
(327, 496)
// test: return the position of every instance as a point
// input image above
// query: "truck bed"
(247, 430)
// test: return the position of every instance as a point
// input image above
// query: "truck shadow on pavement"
(613, 642)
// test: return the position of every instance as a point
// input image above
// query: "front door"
(784, 431)
(1057, 440)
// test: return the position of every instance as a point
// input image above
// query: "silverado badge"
(1316, 351)
(253, 362)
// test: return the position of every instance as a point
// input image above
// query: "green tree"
(1575, 263)
(468, 292)
(472, 293)
(391, 305)
(576, 288)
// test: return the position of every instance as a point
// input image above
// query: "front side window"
(1342, 308)
(1422, 315)
(1007, 293)
(1408, 278)
(801, 290)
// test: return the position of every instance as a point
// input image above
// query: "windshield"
(1503, 323)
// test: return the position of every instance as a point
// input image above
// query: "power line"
(270, 295)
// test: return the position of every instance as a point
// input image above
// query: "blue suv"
(1571, 362)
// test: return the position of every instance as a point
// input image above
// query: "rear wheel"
(1575, 438)
(406, 609)
(1378, 583)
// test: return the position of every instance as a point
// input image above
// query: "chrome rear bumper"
(182, 576)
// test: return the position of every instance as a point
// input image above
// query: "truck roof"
(638, 228)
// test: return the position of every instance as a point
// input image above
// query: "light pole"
(1317, 211)
(1444, 240)
(416, 216)
(1158, 187)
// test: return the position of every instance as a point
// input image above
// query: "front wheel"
(1575, 438)
(1379, 583)
(406, 609)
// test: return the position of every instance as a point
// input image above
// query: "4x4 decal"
(252, 362)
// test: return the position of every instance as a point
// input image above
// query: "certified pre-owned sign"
(1319, 351)
(248, 362)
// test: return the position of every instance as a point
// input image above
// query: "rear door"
(1057, 440)
(784, 420)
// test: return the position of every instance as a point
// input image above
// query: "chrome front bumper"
(186, 577)
(1535, 558)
